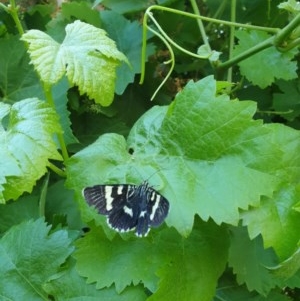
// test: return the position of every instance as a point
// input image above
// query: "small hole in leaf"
(130, 151)
(86, 229)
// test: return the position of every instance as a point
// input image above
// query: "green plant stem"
(57, 170)
(220, 9)
(49, 98)
(149, 14)
(257, 48)
(4, 7)
(42, 202)
(217, 14)
(290, 45)
(144, 50)
(166, 37)
(172, 60)
(285, 32)
(231, 37)
(13, 10)
(277, 40)
(190, 15)
(200, 24)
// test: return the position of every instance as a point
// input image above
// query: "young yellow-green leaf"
(87, 56)
(27, 144)
(291, 6)
(264, 67)
(29, 255)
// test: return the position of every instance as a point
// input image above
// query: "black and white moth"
(128, 207)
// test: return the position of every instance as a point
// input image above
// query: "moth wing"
(106, 198)
(121, 219)
(158, 208)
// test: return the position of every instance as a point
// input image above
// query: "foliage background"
(220, 141)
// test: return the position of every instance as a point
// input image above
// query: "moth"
(129, 207)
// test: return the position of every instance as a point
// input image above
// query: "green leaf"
(68, 285)
(287, 103)
(123, 270)
(249, 261)
(291, 6)
(195, 263)
(276, 218)
(206, 52)
(60, 202)
(29, 255)
(14, 213)
(59, 93)
(211, 162)
(287, 269)
(26, 145)
(86, 55)
(18, 80)
(229, 290)
(264, 67)
(128, 36)
(82, 11)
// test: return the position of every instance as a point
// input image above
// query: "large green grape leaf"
(264, 67)
(26, 139)
(277, 219)
(87, 56)
(120, 262)
(68, 285)
(204, 153)
(29, 255)
(250, 260)
(229, 290)
(194, 263)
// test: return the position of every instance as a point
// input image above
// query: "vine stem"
(231, 37)
(56, 170)
(4, 7)
(42, 202)
(257, 48)
(283, 34)
(200, 24)
(229, 23)
(13, 10)
(49, 98)
(172, 61)
(166, 38)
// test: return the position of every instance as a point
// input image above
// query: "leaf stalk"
(13, 10)
(60, 137)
